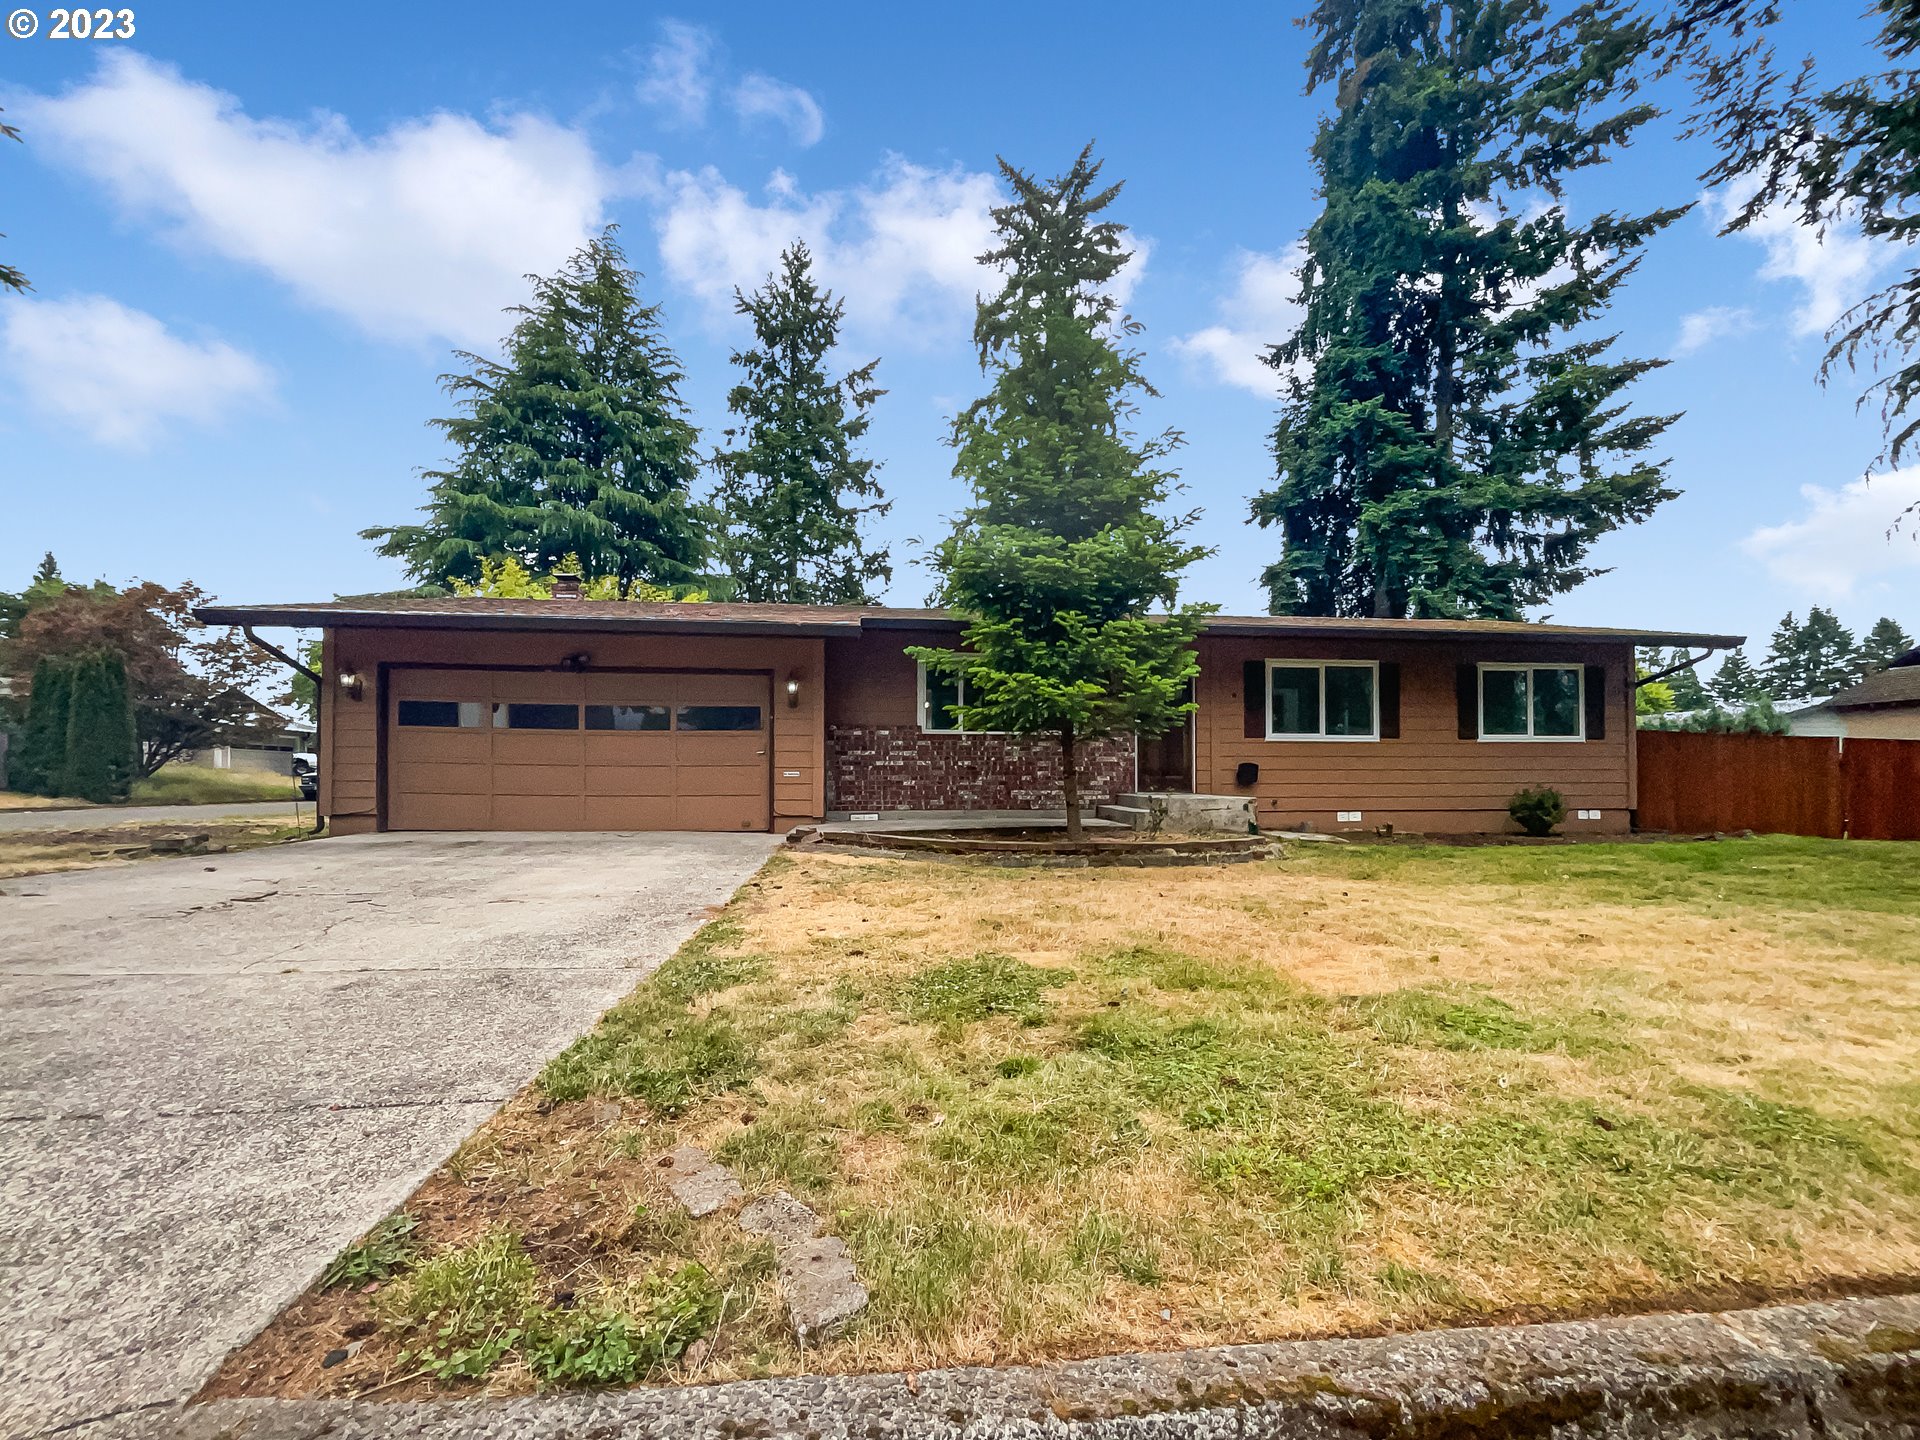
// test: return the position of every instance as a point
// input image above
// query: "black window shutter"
(1466, 685)
(1253, 684)
(1389, 700)
(1596, 702)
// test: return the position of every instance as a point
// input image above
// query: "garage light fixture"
(793, 692)
(350, 684)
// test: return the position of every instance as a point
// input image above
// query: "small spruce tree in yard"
(102, 746)
(1066, 566)
(39, 764)
(1885, 643)
(577, 443)
(792, 490)
(1453, 435)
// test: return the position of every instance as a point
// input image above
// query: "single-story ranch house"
(571, 714)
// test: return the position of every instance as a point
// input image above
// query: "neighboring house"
(1884, 706)
(262, 738)
(568, 714)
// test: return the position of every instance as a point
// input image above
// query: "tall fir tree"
(1452, 437)
(792, 491)
(1814, 658)
(1688, 691)
(1885, 643)
(1066, 566)
(1736, 681)
(577, 443)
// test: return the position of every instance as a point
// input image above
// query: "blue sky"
(256, 233)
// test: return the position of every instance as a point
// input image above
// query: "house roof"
(669, 618)
(1889, 687)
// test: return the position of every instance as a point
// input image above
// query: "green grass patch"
(1769, 873)
(1465, 1020)
(789, 1148)
(980, 988)
(201, 785)
(626, 1342)
(384, 1251)
(464, 1308)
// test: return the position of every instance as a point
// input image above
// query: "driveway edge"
(1831, 1369)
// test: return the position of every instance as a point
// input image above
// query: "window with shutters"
(1323, 700)
(1532, 702)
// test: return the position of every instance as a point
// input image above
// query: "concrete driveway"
(216, 1071)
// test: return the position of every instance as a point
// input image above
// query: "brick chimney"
(566, 585)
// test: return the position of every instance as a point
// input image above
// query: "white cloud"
(1717, 322)
(1835, 271)
(422, 232)
(761, 97)
(678, 78)
(1262, 309)
(901, 248)
(1842, 540)
(120, 374)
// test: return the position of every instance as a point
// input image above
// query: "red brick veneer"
(901, 767)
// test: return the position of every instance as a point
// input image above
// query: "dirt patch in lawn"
(1058, 1113)
(40, 852)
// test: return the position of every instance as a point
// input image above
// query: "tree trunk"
(1070, 783)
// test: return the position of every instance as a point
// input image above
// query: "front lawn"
(1068, 1112)
(203, 785)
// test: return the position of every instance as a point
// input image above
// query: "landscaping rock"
(781, 1218)
(823, 1292)
(698, 1181)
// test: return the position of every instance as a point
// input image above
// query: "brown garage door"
(538, 750)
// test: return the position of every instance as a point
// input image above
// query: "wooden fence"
(1779, 785)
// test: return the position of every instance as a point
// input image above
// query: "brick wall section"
(900, 767)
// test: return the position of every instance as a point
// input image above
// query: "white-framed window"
(941, 697)
(1533, 702)
(1323, 700)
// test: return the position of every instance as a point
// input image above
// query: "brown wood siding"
(873, 681)
(1429, 778)
(351, 729)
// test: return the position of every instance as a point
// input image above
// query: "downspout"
(287, 660)
(318, 698)
(1687, 664)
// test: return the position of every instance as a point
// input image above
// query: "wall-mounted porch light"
(793, 692)
(351, 685)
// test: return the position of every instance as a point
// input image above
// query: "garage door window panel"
(718, 717)
(629, 717)
(442, 714)
(535, 715)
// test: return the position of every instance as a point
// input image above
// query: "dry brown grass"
(1068, 1112)
(25, 852)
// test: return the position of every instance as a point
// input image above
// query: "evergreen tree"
(1450, 440)
(1885, 643)
(1829, 653)
(1688, 692)
(1781, 673)
(102, 748)
(40, 763)
(1828, 150)
(11, 277)
(791, 489)
(1818, 657)
(1059, 562)
(1736, 681)
(577, 443)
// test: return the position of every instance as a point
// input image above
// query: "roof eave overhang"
(573, 624)
(1529, 635)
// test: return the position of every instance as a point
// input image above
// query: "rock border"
(1213, 850)
(1839, 1370)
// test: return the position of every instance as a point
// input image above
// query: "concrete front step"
(1191, 814)
(1134, 817)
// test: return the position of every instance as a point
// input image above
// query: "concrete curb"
(1831, 1370)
